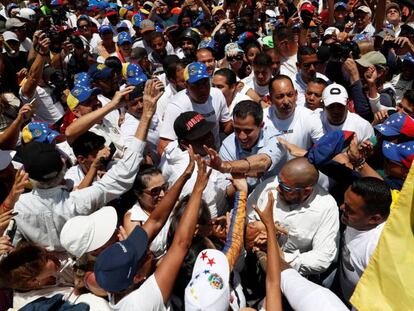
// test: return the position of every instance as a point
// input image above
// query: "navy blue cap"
(116, 266)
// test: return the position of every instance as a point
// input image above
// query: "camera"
(341, 51)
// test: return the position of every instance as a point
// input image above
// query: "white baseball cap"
(209, 286)
(27, 14)
(334, 93)
(6, 157)
(83, 234)
(330, 31)
(9, 35)
(364, 9)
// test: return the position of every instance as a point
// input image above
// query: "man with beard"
(307, 213)
(189, 40)
(307, 64)
(297, 125)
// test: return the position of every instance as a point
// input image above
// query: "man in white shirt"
(336, 116)
(89, 38)
(198, 96)
(193, 129)
(43, 211)
(313, 94)
(225, 80)
(284, 41)
(363, 18)
(364, 212)
(307, 64)
(308, 213)
(174, 72)
(297, 125)
(262, 73)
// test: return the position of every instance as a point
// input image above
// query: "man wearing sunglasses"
(307, 65)
(308, 213)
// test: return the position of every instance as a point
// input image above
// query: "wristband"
(245, 159)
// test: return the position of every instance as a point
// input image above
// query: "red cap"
(308, 7)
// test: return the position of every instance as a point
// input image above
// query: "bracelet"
(245, 159)
(231, 168)
(359, 164)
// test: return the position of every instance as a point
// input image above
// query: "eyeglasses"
(287, 188)
(84, 27)
(308, 65)
(157, 190)
(235, 58)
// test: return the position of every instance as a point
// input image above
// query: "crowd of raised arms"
(206, 155)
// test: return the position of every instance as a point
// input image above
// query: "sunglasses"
(287, 188)
(235, 58)
(154, 192)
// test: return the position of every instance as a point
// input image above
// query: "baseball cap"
(105, 29)
(364, 9)
(208, 43)
(340, 4)
(329, 145)
(216, 10)
(334, 93)
(408, 58)
(371, 59)
(38, 131)
(392, 5)
(133, 74)
(245, 36)
(99, 71)
(41, 161)
(137, 19)
(232, 46)
(308, 7)
(82, 78)
(401, 153)
(270, 13)
(396, 124)
(195, 71)
(6, 157)
(111, 12)
(14, 23)
(83, 234)
(268, 41)
(124, 37)
(56, 2)
(9, 35)
(191, 125)
(27, 14)
(147, 25)
(80, 94)
(116, 266)
(330, 31)
(122, 24)
(209, 286)
(148, 5)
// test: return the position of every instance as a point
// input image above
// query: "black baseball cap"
(191, 125)
(41, 161)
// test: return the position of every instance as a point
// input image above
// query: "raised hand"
(215, 160)
(203, 174)
(5, 219)
(266, 216)
(117, 101)
(20, 181)
(239, 182)
(190, 167)
(152, 92)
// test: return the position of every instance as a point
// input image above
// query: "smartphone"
(11, 230)
(111, 154)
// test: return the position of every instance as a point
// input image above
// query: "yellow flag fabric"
(388, 281)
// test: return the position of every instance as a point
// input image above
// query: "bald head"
(300, 172)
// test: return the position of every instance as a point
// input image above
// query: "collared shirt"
(159, 245)
(353, 122)
(267, 143)
(43, 212)
(312, 242)
(368, 31)
(302, 128)
(173, 163)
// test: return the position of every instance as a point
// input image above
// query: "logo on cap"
(194, 121)
(335, 91)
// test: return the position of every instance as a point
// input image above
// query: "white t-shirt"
(26, 45)
(74, 176)
(164, 100)
(47, 109)
(173, 163)
(288, 66)
(237, 99)
(147, 297)
(91, 45)
(357, 249)
(213, 110)
(353, 122)
(251, 83)
(302, 128)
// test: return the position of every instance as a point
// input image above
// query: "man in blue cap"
(200, 97)
(107, 46)
(124, 46)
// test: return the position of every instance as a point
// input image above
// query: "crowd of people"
(199, 154)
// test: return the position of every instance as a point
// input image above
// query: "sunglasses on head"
(157, 190)
(287, 188)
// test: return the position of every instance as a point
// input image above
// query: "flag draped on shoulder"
(388, 281)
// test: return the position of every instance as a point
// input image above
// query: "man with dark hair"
(297, 124)
(225, 80)
(159, 51)
(307, 64)
(364, 212)
(313, 94)
(91, 155)
(407, 103)
(252, 149)
(206, 56)
(262, 73)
